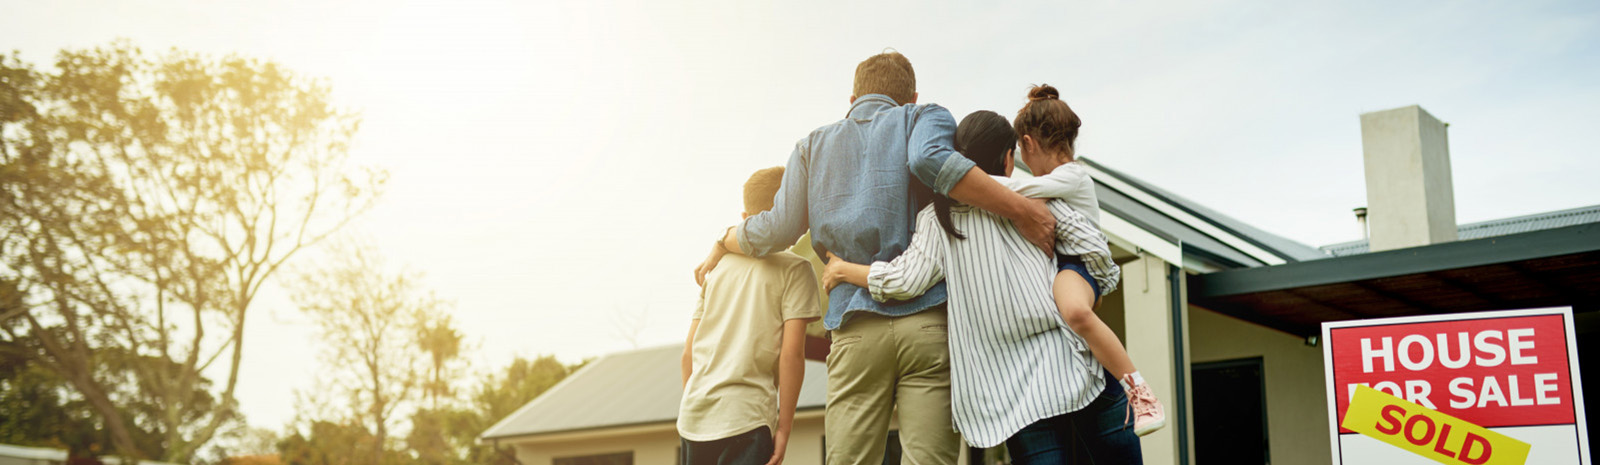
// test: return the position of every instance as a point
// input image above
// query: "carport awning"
(1553, 267)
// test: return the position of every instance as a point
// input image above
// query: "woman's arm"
(840, 271)
(915, 270)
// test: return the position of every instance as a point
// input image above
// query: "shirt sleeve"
(1059, 184)
(1075, 235)
(932, 155)
(776, 229)
(800, 296)
(699, 305)
(917, 269)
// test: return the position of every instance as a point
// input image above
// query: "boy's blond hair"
(888, 73)
(761, 189)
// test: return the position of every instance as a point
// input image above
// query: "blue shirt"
(849, 183)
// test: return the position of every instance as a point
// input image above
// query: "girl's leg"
(1075, 299)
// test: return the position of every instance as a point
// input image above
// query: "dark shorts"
(1075, 263)
(752, 447)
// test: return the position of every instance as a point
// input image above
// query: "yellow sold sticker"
(1428, 433)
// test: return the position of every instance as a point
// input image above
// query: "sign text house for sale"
(1478, 388)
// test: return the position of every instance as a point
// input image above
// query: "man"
(851, 184)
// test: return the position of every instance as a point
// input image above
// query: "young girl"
(1048, 129)
(1016, 376)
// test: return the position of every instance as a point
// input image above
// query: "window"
(621, 458)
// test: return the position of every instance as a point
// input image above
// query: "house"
(1222, 317)
(622, 409)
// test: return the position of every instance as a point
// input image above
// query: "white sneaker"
(1147, 413)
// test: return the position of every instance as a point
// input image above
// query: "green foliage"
(370, 321)
(445, 434)
(144, 201)
(448, 435)
(334, 443)
(43, 410)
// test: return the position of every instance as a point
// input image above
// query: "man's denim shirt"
(850, 184)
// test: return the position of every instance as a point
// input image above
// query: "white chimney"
(1410, 201)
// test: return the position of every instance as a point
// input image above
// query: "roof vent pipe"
(1361, 221)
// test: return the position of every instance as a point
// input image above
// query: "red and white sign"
(1513, 372)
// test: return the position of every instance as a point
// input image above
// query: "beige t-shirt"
(733, 386)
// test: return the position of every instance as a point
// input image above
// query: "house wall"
(1297, 413)
(659, 446)
(1147, 326)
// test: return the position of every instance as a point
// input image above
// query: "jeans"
(1100, 433)
(752, 447)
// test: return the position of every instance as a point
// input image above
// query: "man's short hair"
(761, 189)
(887, 73)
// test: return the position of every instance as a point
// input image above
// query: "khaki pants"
(877, 363)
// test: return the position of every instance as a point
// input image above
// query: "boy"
(746, 350)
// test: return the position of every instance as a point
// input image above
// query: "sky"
(558, 166)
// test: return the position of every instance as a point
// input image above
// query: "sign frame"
(1574, 374)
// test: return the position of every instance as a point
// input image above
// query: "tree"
(439, 338)
(43, 410)
(448, 435)
(370, 320)
(333, 443)
(627, 324)
(144, 202)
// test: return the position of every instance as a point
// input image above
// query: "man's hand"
(711, 263)
(1040, 228)
(780, 442)
(1032, 217)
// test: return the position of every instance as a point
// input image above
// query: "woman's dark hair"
(1048, 120)
(983, 137)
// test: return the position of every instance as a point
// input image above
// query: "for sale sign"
(1485, 388)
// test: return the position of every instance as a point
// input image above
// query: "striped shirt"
(1013, 361)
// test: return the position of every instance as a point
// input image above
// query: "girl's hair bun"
(1043, 92)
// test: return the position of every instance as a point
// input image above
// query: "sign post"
(1486, 388)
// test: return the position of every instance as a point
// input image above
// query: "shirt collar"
(867, 105)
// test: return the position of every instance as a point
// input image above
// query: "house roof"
(1544, 268)
(1206, 234)
(1493, 228)
(623, 389)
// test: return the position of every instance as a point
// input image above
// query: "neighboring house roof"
(622, 389)
(1205, 233)
(1494, 228)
